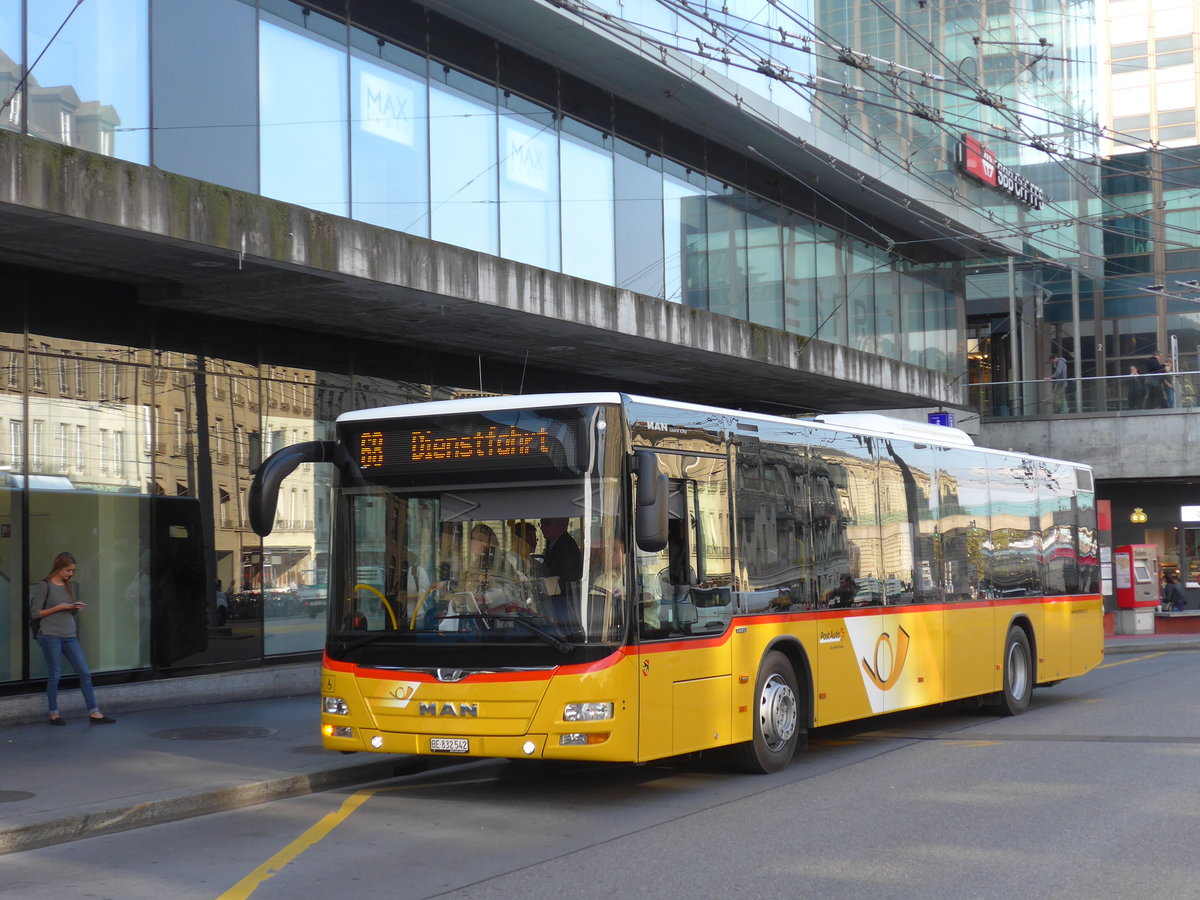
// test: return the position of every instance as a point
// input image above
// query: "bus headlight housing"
(335, 706)
(587, 712)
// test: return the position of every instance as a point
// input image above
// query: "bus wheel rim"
(1018, 671)
(777, 713)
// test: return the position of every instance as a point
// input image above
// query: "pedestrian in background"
(1168, 386)
(55, 607)
(1154, 381)
(1135, 390)
(1058, 382)
(1173, 599)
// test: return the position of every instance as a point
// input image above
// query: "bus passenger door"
(684, 681)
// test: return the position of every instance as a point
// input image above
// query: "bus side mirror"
(264, 490)
(650, 515)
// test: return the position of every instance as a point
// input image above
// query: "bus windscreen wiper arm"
(556, 642)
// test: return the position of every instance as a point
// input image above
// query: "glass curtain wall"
(389, 135)
(303, 114)
(138, 461)
(85, 92)
(12, 59)
(13, 639)
(312, 110)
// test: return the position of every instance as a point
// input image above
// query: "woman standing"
(55, 607)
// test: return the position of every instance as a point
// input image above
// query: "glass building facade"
(449, 136)
(137, 459)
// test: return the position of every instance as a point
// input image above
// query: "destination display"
(466, 445)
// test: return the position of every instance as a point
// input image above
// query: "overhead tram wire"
(1025, 137)
(1013, 230)
(962, 78)
(635, 36)
(1098, 132)
(1033, 140)
(981, 92)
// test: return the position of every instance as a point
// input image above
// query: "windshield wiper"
(370, 639)
(554, 641)
(541, 634)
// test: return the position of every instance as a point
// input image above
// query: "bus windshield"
(528, 555)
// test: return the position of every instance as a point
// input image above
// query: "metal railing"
(1112, 395)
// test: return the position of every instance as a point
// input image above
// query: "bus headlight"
(338, 731)
(587, 712)
(336, 706)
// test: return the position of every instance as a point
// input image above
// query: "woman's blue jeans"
(55, 648)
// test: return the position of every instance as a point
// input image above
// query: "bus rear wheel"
(777, 727)
(1018, 674)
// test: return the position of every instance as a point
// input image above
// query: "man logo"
(888, 663)
(448, 709)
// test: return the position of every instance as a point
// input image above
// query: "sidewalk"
(199, 745)
(180, 748)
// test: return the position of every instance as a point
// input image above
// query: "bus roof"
(481, 404)
(870, 422)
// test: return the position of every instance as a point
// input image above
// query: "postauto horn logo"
(888, 660)
(881, 657)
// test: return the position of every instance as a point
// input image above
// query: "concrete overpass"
(446, 315)
(1130, 445)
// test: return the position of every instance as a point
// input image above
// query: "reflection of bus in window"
(606, 577)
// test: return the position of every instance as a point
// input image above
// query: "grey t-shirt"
(47, 595)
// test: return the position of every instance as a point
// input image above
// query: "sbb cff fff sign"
(942, 418)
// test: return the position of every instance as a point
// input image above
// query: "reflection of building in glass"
(58, 114)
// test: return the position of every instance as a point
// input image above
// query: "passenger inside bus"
(520, 559)
(562, 563)
(481, 559)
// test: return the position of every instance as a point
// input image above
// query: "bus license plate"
(449, 745)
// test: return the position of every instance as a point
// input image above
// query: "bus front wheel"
(1018, 674)
(777, 727)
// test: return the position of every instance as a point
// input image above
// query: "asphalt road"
(1090, 793)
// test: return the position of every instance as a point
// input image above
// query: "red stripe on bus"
(599, 665)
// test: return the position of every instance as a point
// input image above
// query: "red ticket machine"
(1135, 572)
(1135, 578)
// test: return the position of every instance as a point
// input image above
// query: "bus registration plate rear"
(449, 745)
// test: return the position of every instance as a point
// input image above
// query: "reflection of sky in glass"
(389, 138)
(962, 478)
(113, 88)
(756, 24)
(302, 103)
(529, 191)
(587, 211)
(10, 30)
(10, 46)
(676, 234)
(462, 170)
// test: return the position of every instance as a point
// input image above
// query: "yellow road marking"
(315, 834)
(1125, 661)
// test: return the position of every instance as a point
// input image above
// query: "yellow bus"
(600, 576)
